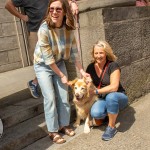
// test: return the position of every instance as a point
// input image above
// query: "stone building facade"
(13, 41)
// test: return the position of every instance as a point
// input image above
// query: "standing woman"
(56, 43)
(105, 74)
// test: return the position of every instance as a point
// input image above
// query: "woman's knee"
(111, 99)
(115, 101)
(97, 114)
(98, 110)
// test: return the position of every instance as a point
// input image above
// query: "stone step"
(133, 132)
(20, 111)
(47, 144)
(14, 85)
(23, 134)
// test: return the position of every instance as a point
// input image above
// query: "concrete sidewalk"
(133, 126)
(133, 133)
(133, 123)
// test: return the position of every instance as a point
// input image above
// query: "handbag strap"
(102, 75)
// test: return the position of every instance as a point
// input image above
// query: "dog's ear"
(88, 89)
(72, 83)
(88, 82)
(84, 79)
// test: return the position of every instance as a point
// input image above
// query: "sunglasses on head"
(57, 9)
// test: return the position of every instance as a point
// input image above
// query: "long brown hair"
(68, 18)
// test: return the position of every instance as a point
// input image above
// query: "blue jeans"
(112, 103)
(55, 93)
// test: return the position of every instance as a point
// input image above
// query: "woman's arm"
(76, 58)
(74, 6)
(114, 83)
(79, 66)
(59, 73)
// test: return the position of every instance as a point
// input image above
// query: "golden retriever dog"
(83, 101)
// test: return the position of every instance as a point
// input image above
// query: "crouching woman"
(105, 73)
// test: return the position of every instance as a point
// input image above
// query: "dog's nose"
(77, 95)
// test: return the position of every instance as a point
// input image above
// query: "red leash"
(102, 75)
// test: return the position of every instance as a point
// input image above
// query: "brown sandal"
(68, 131)
(56, 138)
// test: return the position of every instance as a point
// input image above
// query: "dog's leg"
(87, 124)
(77, 123)
(91, 121)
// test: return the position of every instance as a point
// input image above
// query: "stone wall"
(87, 5)
(127, 31)
(120, 23)
(12, 48)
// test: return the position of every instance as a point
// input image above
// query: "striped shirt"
(54, 45)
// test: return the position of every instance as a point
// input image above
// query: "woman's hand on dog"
(64, 80)
(84, 74)
(92, 91)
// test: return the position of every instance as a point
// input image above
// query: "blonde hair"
(68, 18)
(108, 50)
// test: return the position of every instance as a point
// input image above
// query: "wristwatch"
(96, 92)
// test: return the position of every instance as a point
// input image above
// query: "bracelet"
(81, 71)
(62, 76)
(96, 92)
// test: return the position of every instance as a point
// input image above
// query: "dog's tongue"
(78, 98)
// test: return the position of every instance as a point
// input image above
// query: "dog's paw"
(76, 125)
(86, 129)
